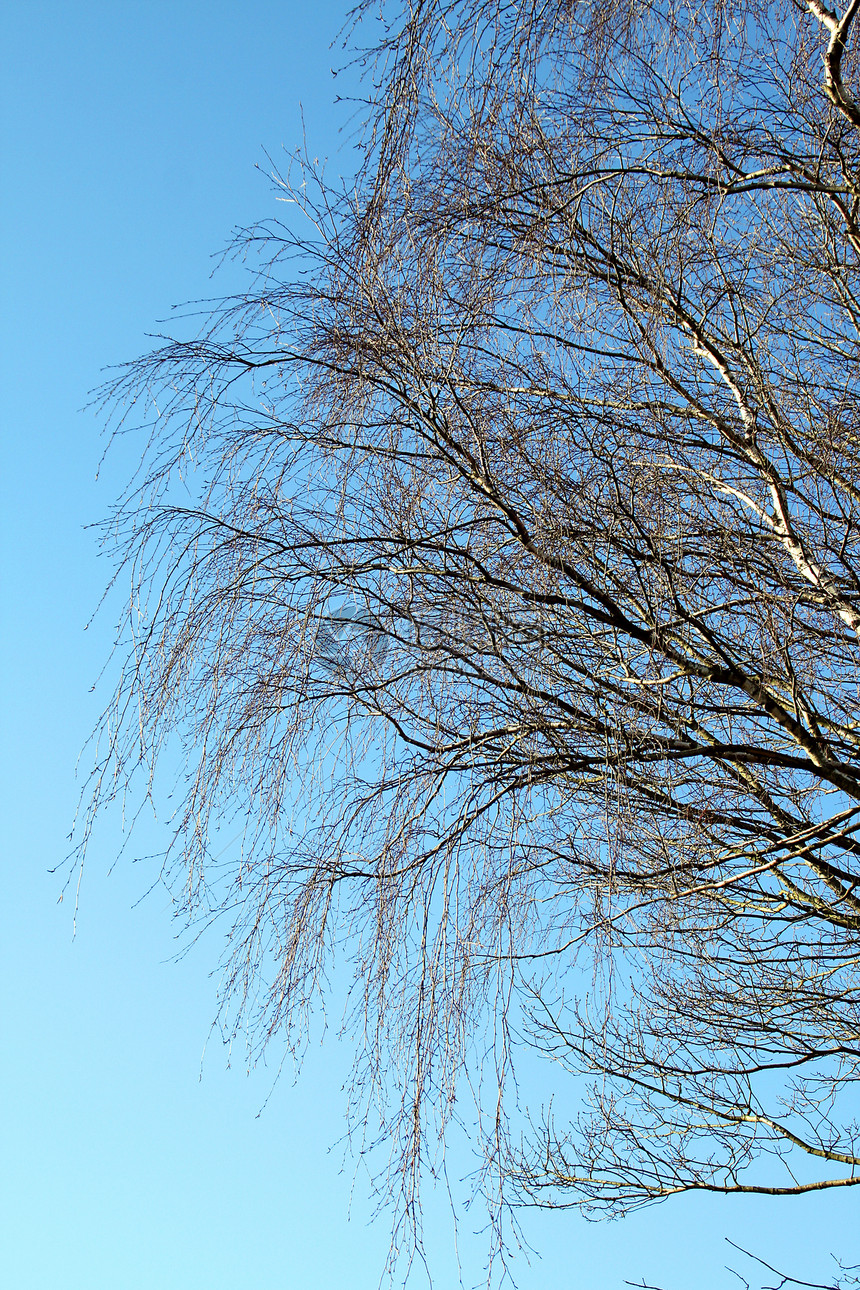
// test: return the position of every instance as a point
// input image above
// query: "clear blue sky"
(131, 132)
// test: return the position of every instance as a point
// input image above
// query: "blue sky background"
(131, 132)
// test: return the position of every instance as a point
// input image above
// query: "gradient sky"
(131, 133)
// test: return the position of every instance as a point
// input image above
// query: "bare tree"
(515, 609)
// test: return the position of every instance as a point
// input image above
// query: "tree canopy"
(496, 557)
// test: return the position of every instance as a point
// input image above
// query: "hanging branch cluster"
(515, 612)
